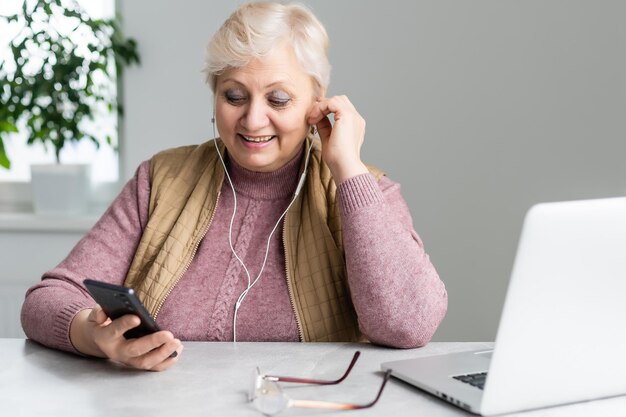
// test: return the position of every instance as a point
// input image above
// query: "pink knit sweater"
(397, 294)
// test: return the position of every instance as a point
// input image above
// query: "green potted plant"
(62, 72)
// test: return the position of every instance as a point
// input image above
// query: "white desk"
(212, 379)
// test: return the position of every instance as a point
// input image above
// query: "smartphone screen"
(117, 301)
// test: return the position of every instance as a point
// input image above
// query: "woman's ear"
(321, 93)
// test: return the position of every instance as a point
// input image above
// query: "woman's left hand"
(341, 141)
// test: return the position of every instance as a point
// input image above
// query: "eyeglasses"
(268, 397)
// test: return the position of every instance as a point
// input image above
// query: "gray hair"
(255, 28)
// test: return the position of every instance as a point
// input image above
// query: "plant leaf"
(4, 160)
(55, 98)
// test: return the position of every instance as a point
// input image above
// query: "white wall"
(478, 109)
(28, 250)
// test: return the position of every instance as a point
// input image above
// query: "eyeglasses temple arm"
(322, 404)
(339, 406)
(316, 381)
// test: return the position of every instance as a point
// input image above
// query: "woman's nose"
(255, 117)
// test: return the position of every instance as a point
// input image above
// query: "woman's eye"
(278, 99)
(234, 97)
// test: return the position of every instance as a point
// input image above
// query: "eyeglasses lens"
(269, 398)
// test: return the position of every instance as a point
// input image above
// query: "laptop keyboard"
(477, 380)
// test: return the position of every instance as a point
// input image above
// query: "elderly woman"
(262, 234)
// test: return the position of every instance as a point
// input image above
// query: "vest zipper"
(289, 287)
(193, 254)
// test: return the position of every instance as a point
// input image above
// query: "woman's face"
(261, 110)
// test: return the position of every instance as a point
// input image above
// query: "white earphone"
(251, 283)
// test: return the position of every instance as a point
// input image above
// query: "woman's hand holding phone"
(95, 334)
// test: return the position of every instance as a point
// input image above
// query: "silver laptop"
(562, 336)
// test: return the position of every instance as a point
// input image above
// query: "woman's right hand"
(93, 333)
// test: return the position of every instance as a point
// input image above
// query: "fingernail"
(174, 354)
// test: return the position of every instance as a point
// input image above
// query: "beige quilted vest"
(185, 188)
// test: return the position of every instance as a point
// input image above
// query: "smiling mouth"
(257, 139)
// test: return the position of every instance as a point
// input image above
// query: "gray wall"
(479, 109)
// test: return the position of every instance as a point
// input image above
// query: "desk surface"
(211, 379)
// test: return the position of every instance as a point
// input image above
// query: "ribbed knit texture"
(61, 326)
(396, 292)
(358, 192)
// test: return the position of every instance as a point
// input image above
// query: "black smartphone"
(117, 301)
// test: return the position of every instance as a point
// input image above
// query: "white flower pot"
(60, 189)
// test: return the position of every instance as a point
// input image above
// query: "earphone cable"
(250, 284)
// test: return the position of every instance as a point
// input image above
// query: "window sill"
(17, 215)
(31, 222)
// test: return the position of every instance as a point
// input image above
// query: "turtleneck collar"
(274, 185)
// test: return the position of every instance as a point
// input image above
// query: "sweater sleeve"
(104, 253)
(398, 296)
